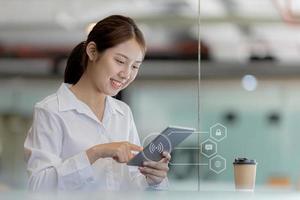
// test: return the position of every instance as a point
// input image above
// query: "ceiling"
(58, 22)
(235, 30)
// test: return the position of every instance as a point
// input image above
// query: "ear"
(91, 51)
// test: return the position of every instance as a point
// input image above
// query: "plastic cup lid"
(244, 161)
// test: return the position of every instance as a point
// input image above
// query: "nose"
(125, 73)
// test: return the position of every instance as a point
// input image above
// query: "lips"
(116, 84)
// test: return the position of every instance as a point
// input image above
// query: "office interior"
(231, 64)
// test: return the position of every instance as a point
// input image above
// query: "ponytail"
(75, 64)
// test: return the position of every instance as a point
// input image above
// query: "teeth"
(116, 83)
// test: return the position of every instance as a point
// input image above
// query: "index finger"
(134, 147)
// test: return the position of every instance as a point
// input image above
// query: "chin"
(109, 92)
(112, 93)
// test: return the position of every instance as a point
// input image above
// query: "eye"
(120, 61)
(135, 67)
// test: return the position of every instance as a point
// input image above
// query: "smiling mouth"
(116, 84)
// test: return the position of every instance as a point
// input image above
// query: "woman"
(81, 138)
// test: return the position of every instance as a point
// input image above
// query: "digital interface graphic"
(156, 146)
(209, 149)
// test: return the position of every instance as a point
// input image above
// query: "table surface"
(157, 195)
(181, 191)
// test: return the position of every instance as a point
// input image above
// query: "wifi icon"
(159, 148)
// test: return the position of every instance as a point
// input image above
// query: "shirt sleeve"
(42, 147)
(137, 178)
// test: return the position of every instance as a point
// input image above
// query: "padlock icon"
(218, 132)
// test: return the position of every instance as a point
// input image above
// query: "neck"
(85, 90)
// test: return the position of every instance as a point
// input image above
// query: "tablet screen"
(165, 141)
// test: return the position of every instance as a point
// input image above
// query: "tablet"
(165, 141)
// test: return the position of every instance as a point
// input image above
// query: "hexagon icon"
(208, 148)
(218, 132)
(217, 164)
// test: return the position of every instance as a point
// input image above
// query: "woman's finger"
(154, 172)
(166, 155)
(154, 179)
(131, 155)
(122, 156)
(127, 154)
(164, 160)
(156, 165)
(134, 147)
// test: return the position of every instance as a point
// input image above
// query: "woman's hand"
(119, 151)
(155, 172)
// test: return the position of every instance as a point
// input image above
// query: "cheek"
(98, 76)
(132, 77)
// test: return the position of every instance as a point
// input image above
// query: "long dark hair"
(107, 33)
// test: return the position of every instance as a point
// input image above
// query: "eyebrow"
(138, 61)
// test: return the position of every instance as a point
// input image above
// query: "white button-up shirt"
(63, 129)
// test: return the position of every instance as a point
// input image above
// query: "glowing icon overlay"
(217, 164)
(161, 145)
(208, 148)
(218, 132)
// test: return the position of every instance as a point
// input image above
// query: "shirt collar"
(68, 101)
(113, 105)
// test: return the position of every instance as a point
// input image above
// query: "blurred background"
(36, 38)
(248, 82)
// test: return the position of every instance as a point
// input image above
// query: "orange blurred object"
(279, 181)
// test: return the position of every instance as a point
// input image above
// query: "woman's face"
(116, 67)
